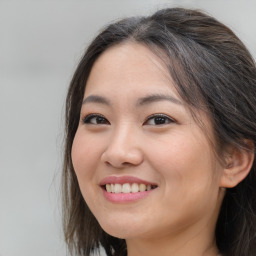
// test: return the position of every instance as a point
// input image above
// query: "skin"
(178, 217)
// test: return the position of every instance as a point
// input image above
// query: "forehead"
(129, 66)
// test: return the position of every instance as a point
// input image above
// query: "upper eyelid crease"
(93, 115)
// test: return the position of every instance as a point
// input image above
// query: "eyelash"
(163, 118)
(87, 119)
(103, 121)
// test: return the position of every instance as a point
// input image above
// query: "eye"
(95, 119)
(158, 119)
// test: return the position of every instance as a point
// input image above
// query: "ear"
(238, 165)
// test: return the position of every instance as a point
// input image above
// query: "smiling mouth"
(127, 188)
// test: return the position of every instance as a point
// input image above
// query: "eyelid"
(87, 118)
(172, 120)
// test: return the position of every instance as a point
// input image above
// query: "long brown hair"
(213, 71)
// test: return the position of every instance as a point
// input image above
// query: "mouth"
(127, 187)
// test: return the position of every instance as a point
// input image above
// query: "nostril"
(126, 163)
(107, 163)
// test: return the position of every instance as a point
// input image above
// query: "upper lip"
(124, 179)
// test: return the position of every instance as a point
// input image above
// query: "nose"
(123, 149)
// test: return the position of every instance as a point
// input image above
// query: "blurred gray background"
(40, 45)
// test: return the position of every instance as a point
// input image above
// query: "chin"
(120, 228)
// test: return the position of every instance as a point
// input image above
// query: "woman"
(160, 140)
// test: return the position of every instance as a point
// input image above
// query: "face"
(144, 167)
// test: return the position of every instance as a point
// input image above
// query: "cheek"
(84, 156)
(186, 166)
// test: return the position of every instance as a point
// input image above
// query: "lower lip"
(125, 197)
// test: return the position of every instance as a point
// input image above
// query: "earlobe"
(238, 166)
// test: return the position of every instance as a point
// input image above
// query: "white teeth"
(127, 188)
(118, 188)
(135, 188)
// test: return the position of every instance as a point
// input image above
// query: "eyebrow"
(157, 97)
(140, 102)
(96, 99)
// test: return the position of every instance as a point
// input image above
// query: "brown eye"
(95, 119)
(159, 120)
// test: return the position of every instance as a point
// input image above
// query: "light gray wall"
(40, 44)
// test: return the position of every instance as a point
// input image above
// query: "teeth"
(148, 187)
(118, 188)
(142, 187)
(135, 188)
(108, 187)
(127, 188)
